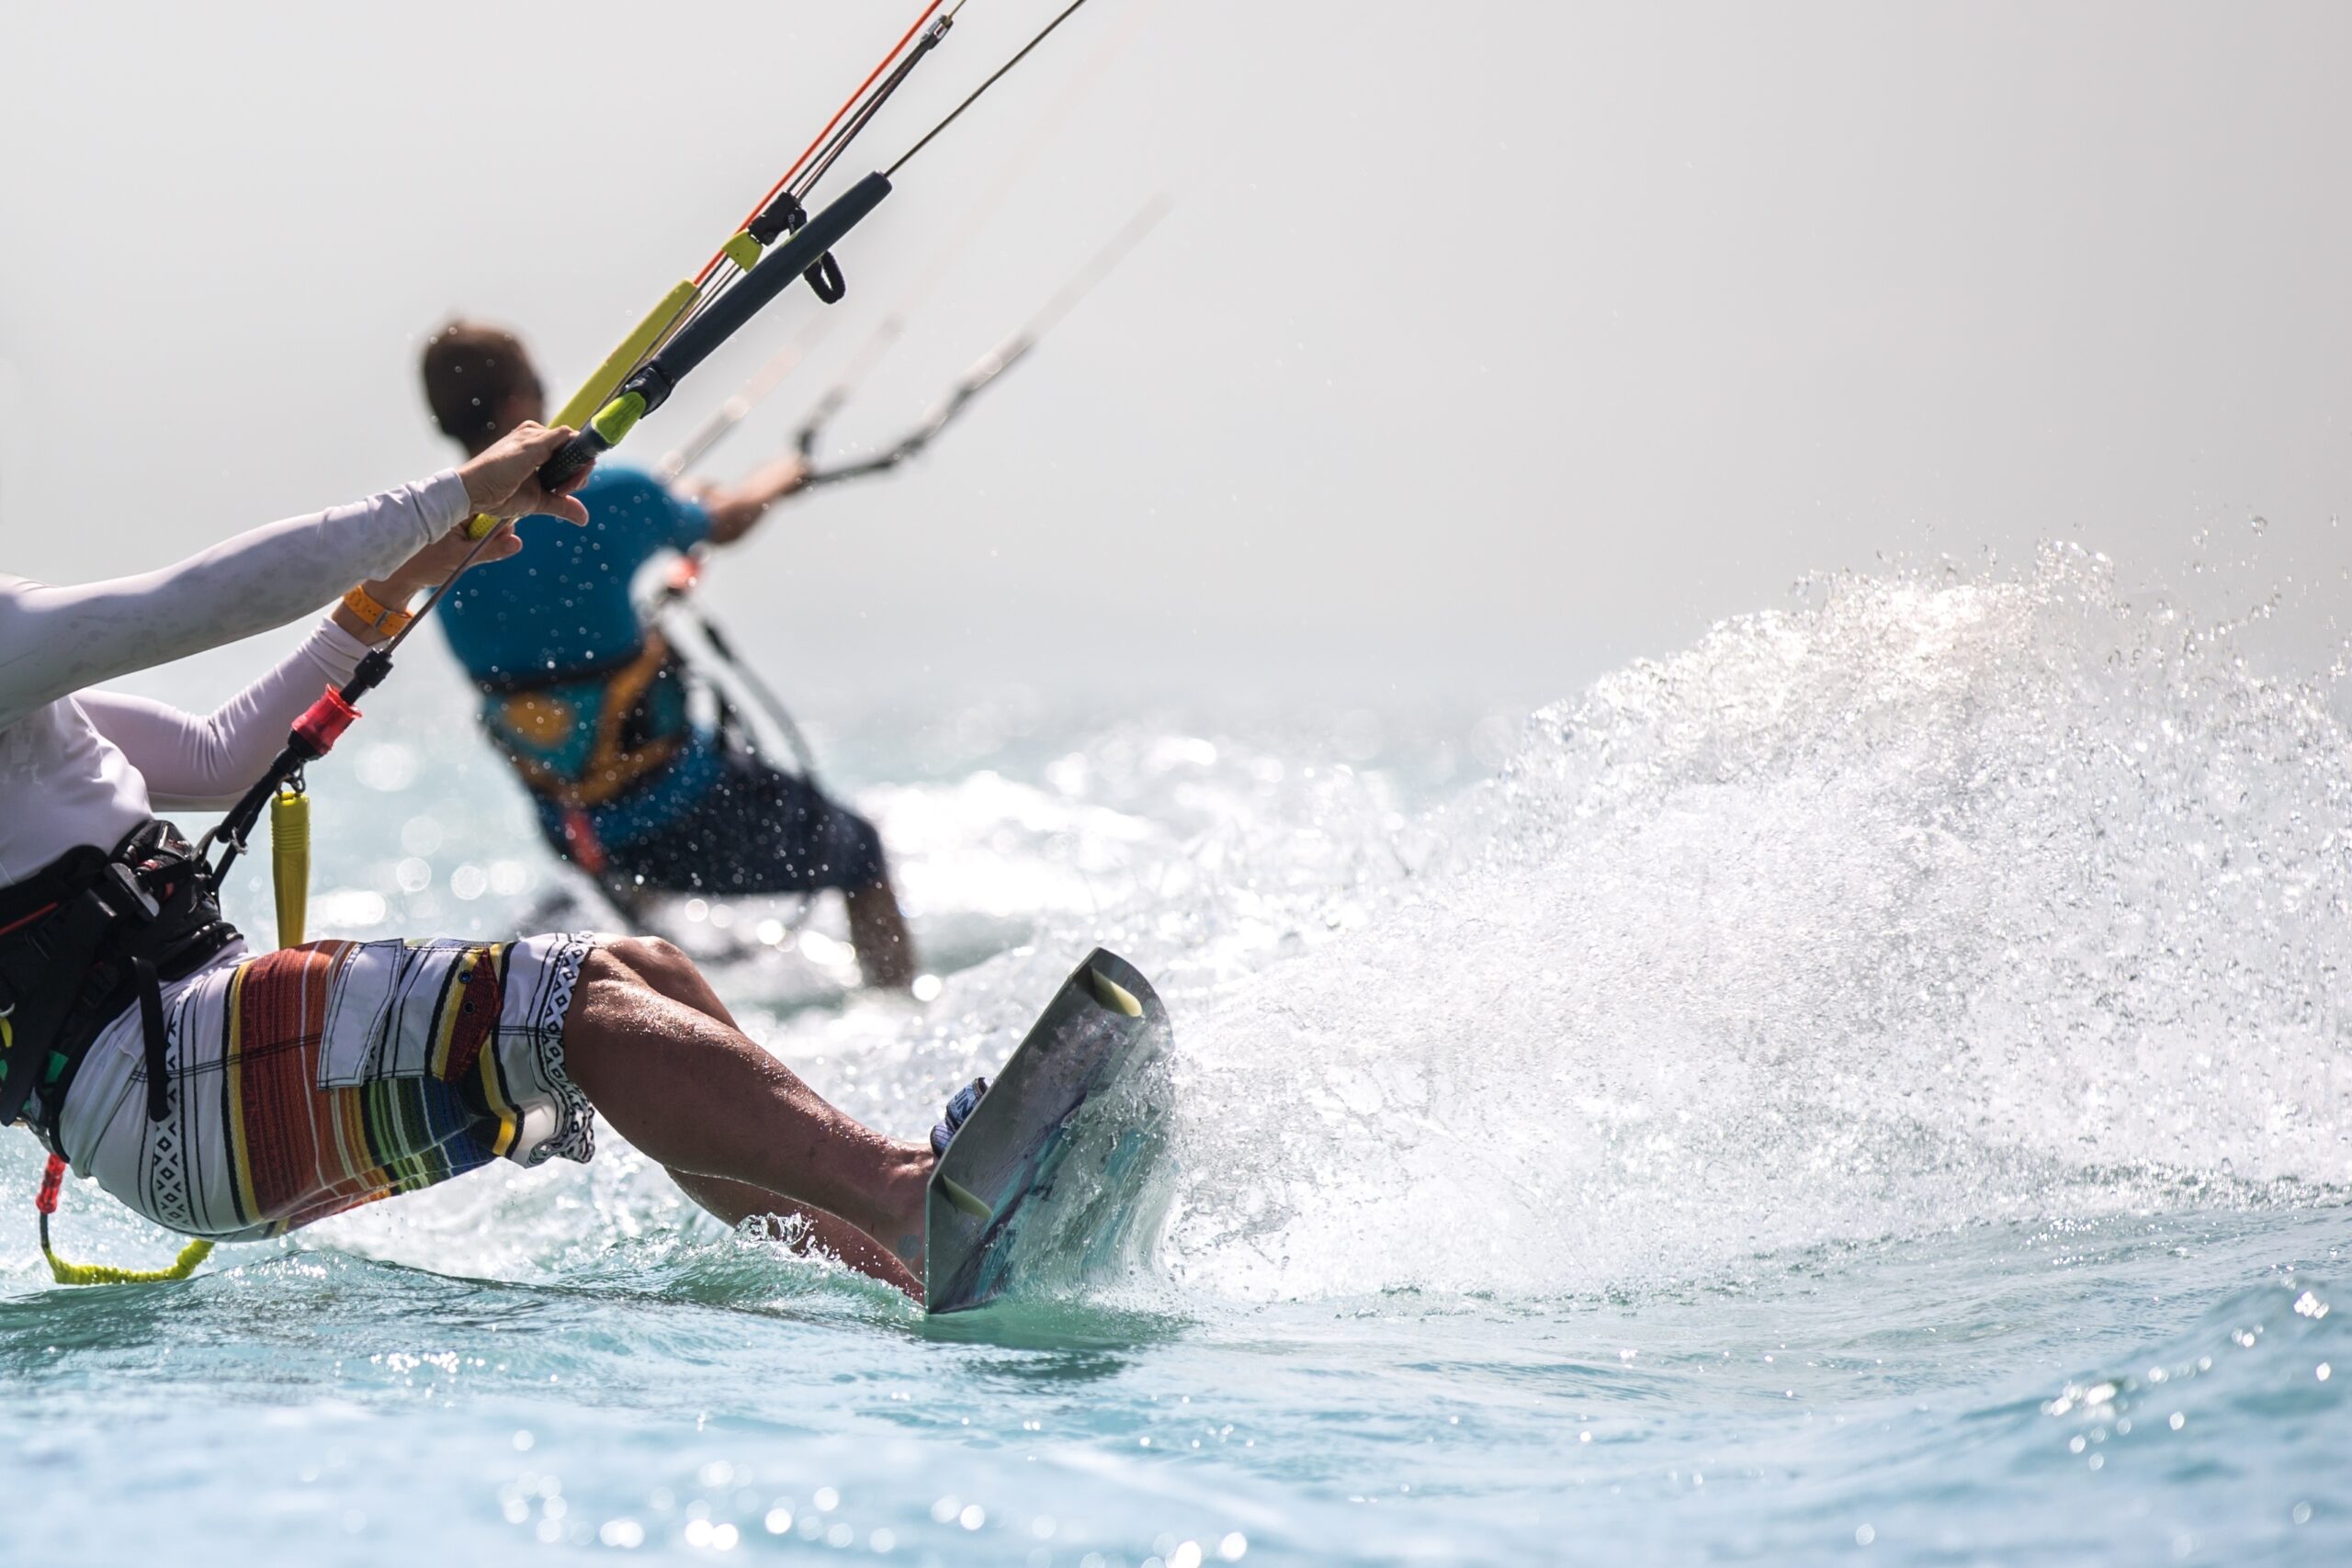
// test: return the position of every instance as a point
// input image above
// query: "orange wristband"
(362, 603)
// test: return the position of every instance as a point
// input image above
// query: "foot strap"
(959, 1110)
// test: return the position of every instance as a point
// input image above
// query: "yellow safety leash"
(68, 1273)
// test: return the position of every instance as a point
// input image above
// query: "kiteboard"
(994, 1190)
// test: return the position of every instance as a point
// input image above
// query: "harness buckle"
(127, 881)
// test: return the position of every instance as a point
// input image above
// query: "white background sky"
(1488, 345)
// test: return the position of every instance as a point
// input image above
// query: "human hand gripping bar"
(651, 384)
(592, 392)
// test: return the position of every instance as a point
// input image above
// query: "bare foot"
(903, 1198)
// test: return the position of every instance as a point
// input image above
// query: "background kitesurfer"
(589, 704)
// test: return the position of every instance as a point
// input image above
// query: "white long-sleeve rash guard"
(84, 767)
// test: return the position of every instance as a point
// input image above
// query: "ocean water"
(1868, 1086)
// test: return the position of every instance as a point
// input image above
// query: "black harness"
(81, 941)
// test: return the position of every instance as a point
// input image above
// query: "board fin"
(1112, 995)
(961, 1196)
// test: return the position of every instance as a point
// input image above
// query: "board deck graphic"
(1102, 1028)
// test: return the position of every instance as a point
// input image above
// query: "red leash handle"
(52, 1184)
(323, 722)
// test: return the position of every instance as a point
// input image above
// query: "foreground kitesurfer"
(588, 703)
(237, 1098)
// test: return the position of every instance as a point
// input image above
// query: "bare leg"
(684, 1085)
(662, 966)
(671, 972)
(877, 929)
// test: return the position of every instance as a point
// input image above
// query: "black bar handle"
(650, 387)
(571, 459)
(777, 272)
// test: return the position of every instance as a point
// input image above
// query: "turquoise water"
(1871, 1084)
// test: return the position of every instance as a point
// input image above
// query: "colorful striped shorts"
(320, 1078)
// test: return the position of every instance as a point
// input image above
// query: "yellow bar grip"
(616, 419)
(647, 335)
(597, 390)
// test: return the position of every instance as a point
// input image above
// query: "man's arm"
(57, 641)
(206, 760)
(735, 509)
(54, 641)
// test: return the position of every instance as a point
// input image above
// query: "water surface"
(1871, 1084)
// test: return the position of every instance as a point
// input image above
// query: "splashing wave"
(1923, 904)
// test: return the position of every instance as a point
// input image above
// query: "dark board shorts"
(757, 830)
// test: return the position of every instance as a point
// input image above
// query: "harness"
(530, 723)
(83, 939)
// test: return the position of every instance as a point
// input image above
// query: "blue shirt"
(563, 603)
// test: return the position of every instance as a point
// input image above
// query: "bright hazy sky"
(1487, 345)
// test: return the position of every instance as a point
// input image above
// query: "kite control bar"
(650, 385)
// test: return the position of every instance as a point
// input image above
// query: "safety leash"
(52, 1185)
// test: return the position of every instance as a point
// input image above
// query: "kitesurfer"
(235, 1097)
(589, 704)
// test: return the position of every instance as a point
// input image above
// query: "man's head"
(480, 383)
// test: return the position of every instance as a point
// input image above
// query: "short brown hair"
(471, 372)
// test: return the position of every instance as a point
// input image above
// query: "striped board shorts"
(325, 1077)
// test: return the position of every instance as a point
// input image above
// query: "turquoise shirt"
(563, 603)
